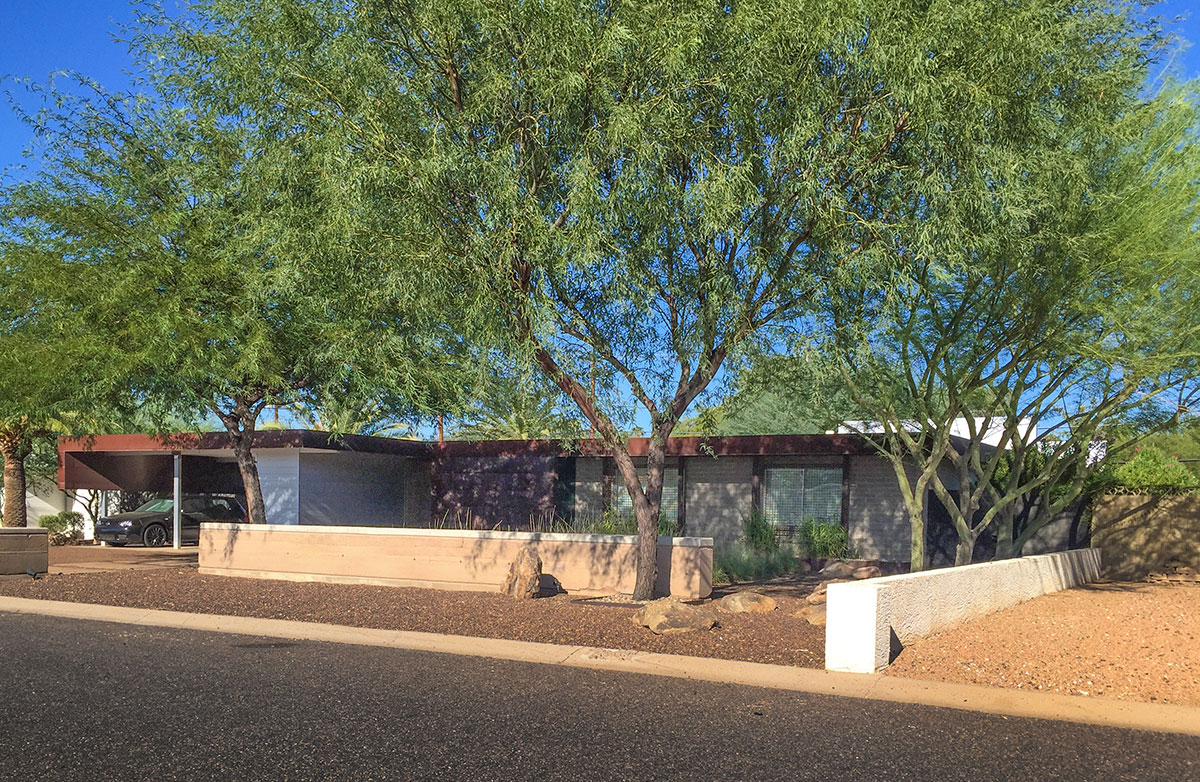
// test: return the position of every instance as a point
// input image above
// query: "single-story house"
(711, 485)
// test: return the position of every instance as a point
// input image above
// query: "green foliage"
(758, 533)
(1149, 470)
(516, 408)
(608, 523)
(755, 555)
(743, 562)
(343, 415)
(640, 192)
(63, 528)
(1182, 443)
(824, 539)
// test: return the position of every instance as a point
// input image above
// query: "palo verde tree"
(1066, 329)
(63, 367)
(208, 220)
(652, 187)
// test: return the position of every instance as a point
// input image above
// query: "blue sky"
(39, 37)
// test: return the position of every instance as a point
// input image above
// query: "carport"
(348, 479)
(179, 464)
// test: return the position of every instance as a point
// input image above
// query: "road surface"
(83, 700)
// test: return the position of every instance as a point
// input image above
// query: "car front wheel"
(154, 536)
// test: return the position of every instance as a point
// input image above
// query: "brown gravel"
(776, 638)
(1130, 641)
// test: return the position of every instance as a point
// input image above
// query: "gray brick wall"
(879, 526)
(589, 487)
(719, 496)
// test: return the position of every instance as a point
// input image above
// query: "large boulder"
(524, 579)
(666, 616)
(870, 571)
(745, 603)
(813, 614)
(837, 570)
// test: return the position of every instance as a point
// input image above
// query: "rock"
(524, 579)
(816, 598)
(803, 566)
(745, 603)
(837, 570)
(814, 615)
(870, 571)
(667, 616)
(821, 587)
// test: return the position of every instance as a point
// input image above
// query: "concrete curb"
(1164, 718)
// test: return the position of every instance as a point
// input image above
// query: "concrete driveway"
(97, 559)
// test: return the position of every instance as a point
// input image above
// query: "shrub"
(823, 539)
(756, 555)
(1150, 470)
(62, 528)
(608, 523)
(743, 562)
(758, 533)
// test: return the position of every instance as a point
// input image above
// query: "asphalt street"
(83, 700)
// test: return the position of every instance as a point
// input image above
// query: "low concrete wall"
(23, 549)
(1140, 534)
(448, 559)
(868, 622)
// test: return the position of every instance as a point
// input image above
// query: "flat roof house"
(711, 484)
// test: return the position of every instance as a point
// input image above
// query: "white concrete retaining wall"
(868, 622)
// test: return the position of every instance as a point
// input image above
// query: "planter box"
(23, 549)
(868, 622)
(448, 559)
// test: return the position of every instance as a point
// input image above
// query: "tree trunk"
(15, 450)
(964, 550)
(1004, 536)
(916, 553)
(646, 504)
(256, 511)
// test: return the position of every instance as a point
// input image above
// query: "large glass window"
(623, 506)
(792, 495)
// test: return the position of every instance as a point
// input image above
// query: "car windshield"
(156, 506)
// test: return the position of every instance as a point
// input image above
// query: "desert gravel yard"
(1130, 641)
(776, 637)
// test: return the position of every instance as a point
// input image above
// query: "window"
(623, 506)
(793, 494)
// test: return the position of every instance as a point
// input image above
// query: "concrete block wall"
(720, 495)
(878, 518)
(589, 487)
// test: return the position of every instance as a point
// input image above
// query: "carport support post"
(177, 503)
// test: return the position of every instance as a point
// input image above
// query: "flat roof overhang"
(762, 445)
(143, 462)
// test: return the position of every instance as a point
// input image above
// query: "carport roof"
(220, 441)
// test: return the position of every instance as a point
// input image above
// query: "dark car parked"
(152, 524)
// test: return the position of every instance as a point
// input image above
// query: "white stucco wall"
(279, 474)
(43, 498)
(867, 622)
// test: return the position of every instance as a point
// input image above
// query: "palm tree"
(373, 418)
(519, 414)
